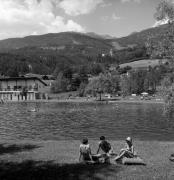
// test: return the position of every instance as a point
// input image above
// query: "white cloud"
(78, 7)
(136, 1)
(106, 4)
(19, 18)
(115, 17)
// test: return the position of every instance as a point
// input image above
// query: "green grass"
(63, 95)
(58, 160)
(142, 63)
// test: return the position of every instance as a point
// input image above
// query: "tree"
(125, 85)
(96, 69)
(1, 86)
(60, 84)
(162, 45)
(81, 89)
(115, 84)
(83, 73)
(165, 11)
(167, 91)
(98, 85)
(166, 86)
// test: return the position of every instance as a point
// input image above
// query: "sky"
(118, 18)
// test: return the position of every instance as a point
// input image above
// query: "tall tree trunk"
(100, 96)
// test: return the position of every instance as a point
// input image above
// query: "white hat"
(129, 139)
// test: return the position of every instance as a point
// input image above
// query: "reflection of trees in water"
(151, 118)
(169, 108)
(168, 114)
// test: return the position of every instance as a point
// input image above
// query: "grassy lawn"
(142, 63)
(63, 95)
(58, 160)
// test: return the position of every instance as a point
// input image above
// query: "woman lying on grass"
(128, 151)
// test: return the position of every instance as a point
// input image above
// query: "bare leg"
(120, 156)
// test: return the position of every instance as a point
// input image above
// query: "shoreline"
(83, 100)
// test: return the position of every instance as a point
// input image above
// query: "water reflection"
(60, 121)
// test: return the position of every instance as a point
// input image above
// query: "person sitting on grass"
(106, 147)
(128, 151)
(85, 154)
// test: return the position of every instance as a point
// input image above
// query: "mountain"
(58, 42)
(85, 43)
(99, 36)
(45, 52)
(138, 38)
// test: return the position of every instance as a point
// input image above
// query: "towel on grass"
(133, 161)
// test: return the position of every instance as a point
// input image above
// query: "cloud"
(136, 1)
(25, 17)
(115, 17)
(106, 4)
(79, 7)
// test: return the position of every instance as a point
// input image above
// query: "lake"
(67, 121)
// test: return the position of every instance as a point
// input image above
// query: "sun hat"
(129, 139)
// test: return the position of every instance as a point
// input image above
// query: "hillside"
(45, 52)
(99, 36)
(65, 41)
(137, 38)
(60, 41)
(144, 63)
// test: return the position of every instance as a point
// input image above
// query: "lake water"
(66, 121)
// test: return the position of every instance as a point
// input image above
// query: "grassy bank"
(58, 160)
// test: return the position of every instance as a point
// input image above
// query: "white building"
(22, 88)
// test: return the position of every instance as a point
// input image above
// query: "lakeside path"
(58, 160)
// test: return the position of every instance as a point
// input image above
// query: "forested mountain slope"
(45, 52)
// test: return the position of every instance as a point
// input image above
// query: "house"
(22, 88)
(48, 79)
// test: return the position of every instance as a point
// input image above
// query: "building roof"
(48, 77)
(22, 78)
(33, 75)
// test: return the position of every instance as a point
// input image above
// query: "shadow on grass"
(4, 149)
(37, 170)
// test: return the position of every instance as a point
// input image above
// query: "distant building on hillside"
(22, 88)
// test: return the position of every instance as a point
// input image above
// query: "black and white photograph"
(86, 89)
